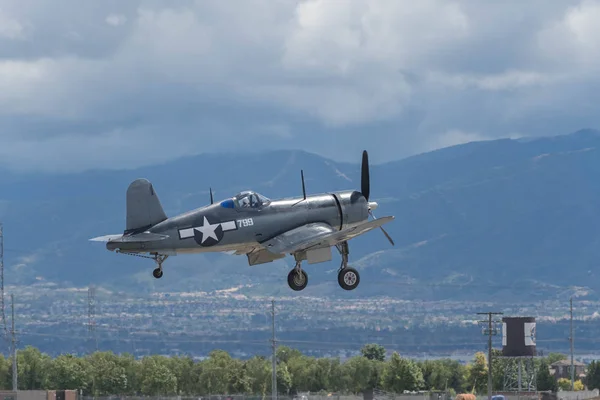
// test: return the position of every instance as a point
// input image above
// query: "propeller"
(365, 184)
(365, 188)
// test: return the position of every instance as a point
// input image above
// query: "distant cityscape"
(67, 320)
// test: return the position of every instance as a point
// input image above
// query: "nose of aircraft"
(373, 205)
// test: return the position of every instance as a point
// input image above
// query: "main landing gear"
(348, 277)
(158, 259)
(297, 278)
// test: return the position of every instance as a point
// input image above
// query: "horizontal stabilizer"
(140, 237)
(105, 238)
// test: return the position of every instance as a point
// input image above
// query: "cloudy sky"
(117, 83)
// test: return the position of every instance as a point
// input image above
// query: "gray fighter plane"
(249, 223)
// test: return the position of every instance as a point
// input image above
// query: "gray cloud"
(120, 84)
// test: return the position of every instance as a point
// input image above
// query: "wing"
(316, 235)
(140, 237)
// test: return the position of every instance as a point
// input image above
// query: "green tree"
(32, 367)
(157, 379)
(69, 372)
(545, 381)
(284, 379)
(285, 353)
(258, 371)
(337, 376)
(359, 374)
(133, 376)
(221, 374)
(402, 374)
(5, 373)
(108, 376)
(373, 351)
(443, 374)
(593, 375)
(477, 373)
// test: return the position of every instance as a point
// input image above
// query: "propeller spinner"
(365, 188)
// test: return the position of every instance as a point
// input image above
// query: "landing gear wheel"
(348, 278)
(159, 259)
(297, 279)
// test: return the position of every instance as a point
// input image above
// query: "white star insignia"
(208, 230)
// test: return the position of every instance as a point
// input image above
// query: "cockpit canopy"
(250, 199)
(246, 199)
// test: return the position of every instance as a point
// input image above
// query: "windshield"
(249, 199)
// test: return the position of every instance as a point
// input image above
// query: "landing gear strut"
(297, 278)
(348, 277)
(159, 259)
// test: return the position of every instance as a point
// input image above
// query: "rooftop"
(567, 363)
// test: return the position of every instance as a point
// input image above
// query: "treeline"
(105, 373)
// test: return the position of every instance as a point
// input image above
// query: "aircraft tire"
(348, 278)
(296, 282)
(157, 273)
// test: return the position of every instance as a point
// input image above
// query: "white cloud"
(10, 28)
(307, 74)
(116, 19)
(573, 42)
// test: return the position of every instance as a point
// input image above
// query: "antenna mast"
(303, 186)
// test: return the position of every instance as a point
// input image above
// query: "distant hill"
(504, 219)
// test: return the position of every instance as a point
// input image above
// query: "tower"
(518, 353)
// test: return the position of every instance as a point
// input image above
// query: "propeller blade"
(365, 184)
(387, 235)
(389, 238)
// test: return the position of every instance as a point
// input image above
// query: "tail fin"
(143, 207)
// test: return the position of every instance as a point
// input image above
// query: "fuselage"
(230, 225)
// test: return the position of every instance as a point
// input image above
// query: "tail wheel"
(348, 278)
(297, 279)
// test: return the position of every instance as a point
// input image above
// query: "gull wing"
(318, 234)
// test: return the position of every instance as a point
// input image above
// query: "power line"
(490, 332)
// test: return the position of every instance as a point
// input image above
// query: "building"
(562, 369)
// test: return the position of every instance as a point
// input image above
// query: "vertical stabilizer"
(143, 207)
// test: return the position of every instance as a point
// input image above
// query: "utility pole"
(92, 315)
(571, 339)
(4, 323)
(14, 346)
(490, 332)
(274, 356)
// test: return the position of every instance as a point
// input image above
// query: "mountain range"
(503, 219)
